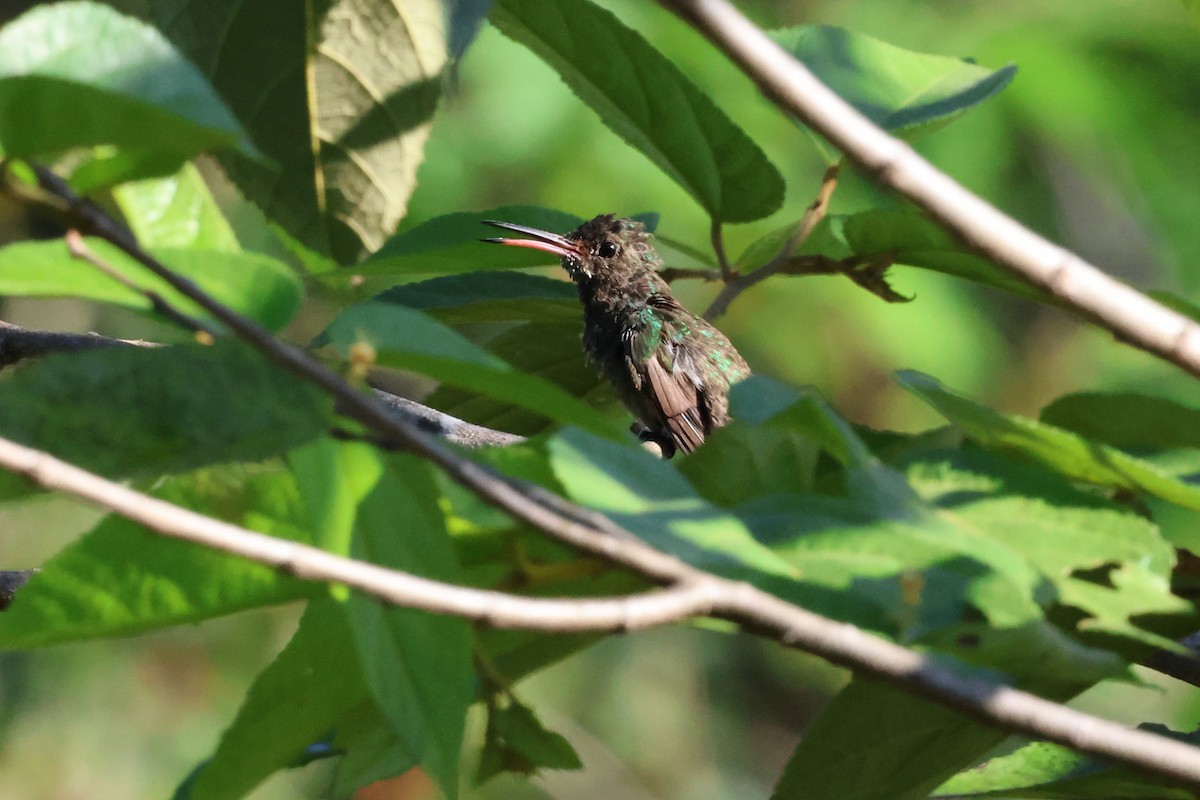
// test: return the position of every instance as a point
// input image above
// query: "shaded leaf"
(1054, 448)
(491, 297)
(451, 243)
(120, 580)
(516, 741)
(875, 742)
(77, 74)
(370, 750)
(648, 102)
(897, 89)
(1126, 419)
(465, 17)
(252, 284)
(911, 239)
(418, 666)
(407, 339)
(339, 95)
(310, 687)
(139, 411)
(548, 350)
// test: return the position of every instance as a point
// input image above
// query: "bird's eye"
(607, 250)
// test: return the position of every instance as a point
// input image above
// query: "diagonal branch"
(1121, 309)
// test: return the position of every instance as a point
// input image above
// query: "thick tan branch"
(1128, 313)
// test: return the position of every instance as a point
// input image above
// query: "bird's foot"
(655, 441)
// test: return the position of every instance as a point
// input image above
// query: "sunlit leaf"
(340, 97)
(78, 73)
(1058, 449)
(120, 579)
(1054, 772)
(176, 211)
(253, 284)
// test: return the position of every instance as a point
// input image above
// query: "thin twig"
(717, 235)
(78, 249)
(672, 274)
(696, 593)
(1126, 312)
(784, 261)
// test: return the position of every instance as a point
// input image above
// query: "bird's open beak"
(560, 246)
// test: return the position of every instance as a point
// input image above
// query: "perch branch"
(694, 593)
(18, 344)
(1119, 308)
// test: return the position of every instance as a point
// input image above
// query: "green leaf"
(1054, 448)
(648, 102)
(340, 96)
(897, 89)
(875, 742)
(451, 243)
(407, 339)
(491, 297)
(418, 666)
(120, 580)
(307, 691)
(548, 350)
(516, 741)
(649, 497)
(371, 751)
(77, 74)
(1126, 419)
(177, 211)
(333, 478)
(1052, 771)
(144, 411)
(1068, 536)
(908, 238)
(253, 284)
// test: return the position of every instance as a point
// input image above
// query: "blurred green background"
(1096, 144)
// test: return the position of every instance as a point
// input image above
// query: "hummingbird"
(671, 368)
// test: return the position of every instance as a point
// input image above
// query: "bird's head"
(601, 248)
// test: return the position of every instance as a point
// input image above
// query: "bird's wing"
(679, 401)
